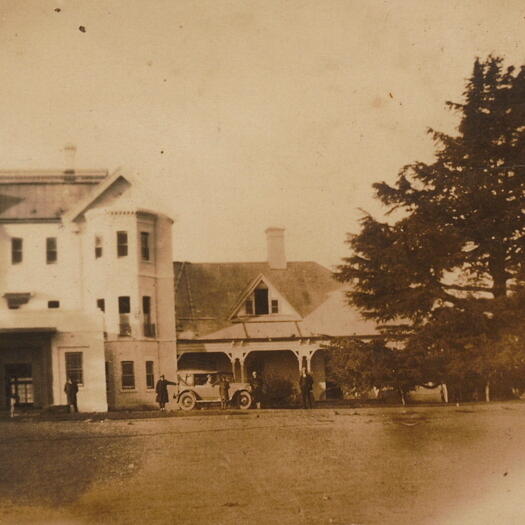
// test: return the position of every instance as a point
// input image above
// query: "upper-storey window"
(144, 246)
(149, 327)
(124, 305)
(124, 309)
(260, 302)
(16, 250)
(260, 296)
(98, 246)
(51, 250)
(122, 244)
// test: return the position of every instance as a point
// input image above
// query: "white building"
(86, 290)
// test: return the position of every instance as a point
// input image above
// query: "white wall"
(58, 281)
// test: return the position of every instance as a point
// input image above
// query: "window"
(51, 250)
(16, 250)
(74, 367)
(150, 378)
(53, 304)
(98, 246)
(101, 304)
(149, 328)
(144, 245)
(124, 306)
(128, 374)
(107, 368)
(124, 309)
(261, 301)
(16, 300)
(122, 244)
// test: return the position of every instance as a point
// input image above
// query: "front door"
(19, 381)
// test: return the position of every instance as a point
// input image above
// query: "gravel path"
(342, 466)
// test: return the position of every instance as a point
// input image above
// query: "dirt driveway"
(344, 466)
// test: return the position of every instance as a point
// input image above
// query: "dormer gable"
(261, 300)
(105, 194)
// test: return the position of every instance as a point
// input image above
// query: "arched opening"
(279, 370)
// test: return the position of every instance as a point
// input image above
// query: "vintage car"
(197, 387)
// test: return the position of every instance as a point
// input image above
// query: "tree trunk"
(487, 392)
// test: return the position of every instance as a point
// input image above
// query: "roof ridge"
(10, 177)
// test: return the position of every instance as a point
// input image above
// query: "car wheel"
(187, 401)
(244, 400)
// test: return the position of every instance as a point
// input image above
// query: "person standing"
(224, 391)
(71, 390)
(306, 384)
(256, 385)
(161, 389)
(12, 396)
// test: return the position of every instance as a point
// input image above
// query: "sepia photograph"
(262, 262)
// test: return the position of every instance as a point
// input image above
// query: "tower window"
(128, 374)
(16, 250)
(144, 246)
(51, 250)
(150, 377)
(124, 305)
(98, 246)
(122, 244)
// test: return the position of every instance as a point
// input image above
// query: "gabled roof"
(207, 292)
(81, 206)
(41, 196)
(261, 278)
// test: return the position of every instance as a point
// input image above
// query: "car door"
(208, 390)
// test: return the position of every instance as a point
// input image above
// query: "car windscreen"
(203, 379)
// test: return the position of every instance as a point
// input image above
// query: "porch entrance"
(19, 381)
(25, 367)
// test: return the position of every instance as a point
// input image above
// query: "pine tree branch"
(467, 288)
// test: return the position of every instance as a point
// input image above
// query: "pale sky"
(239, 115)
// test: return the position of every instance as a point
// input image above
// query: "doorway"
(19, 381)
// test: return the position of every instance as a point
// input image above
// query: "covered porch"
(26, 366)
(275, 359)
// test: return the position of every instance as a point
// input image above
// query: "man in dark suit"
(71, 390)
(161, 389)
(306, 384)
(256, 385)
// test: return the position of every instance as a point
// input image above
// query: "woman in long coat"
(161, 389)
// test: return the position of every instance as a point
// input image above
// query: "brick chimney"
(275, 244)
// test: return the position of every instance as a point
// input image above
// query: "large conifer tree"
(449, 262)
